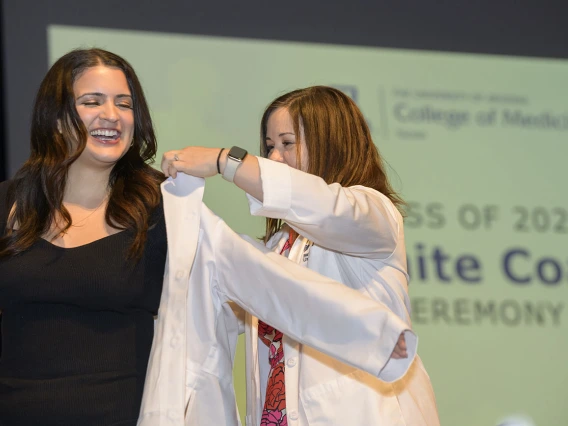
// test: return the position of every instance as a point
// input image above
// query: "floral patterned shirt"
(274, 412)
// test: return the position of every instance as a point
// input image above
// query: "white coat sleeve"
(240, 316)
(357, 220)
(308, 307)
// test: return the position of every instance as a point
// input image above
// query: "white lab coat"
(354, 236)
(189, 379)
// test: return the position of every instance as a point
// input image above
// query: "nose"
(276, 155)
(109, 112)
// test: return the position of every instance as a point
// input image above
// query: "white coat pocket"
(356, 399)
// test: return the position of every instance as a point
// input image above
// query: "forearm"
(206, 162)
(247, 176)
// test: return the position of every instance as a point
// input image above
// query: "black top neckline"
(89, 244)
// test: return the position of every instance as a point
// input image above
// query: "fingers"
(168, 165)
(194, 161)
(402, 342)
(172, 171)
(400, 350)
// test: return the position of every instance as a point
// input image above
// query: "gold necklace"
(76, 224)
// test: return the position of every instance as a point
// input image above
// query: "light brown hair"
(338, 140)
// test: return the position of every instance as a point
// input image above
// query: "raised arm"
(202, 162)
(358, 221)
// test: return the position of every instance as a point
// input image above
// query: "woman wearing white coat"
(329, 206)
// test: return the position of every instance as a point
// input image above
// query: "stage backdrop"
(475, 144)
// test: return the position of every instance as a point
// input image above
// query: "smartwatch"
(234, 160)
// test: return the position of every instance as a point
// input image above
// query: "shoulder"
(378, 198)
(156, 243)
(157, 220)
(157, 213)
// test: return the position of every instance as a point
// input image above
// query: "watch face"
(237, 153)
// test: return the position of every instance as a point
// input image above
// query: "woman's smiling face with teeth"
(104, 103)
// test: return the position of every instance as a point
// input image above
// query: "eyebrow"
(102, 94)
(282, 134)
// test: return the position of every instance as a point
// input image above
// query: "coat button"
(174, 343)
(180, 273)
(293, 415)
(291, 362)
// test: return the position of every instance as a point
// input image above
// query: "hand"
(192, 160)
(399, 351)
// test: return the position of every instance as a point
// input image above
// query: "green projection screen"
(476, 144)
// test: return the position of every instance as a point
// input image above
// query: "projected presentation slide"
(477, 146)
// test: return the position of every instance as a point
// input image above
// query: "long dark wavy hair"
(58, 137)
(338, 140)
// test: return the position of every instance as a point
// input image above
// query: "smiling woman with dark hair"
(82, 250)
(85, 95)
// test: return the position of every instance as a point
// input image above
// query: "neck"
(86, 187)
